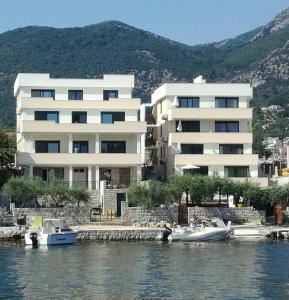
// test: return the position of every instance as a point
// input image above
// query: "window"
(189, 101)
(80, 147)
(226, 126)
(109, 94)
(113, 147)
(226, 102)
(202, 170)
(111, 117)
(43, 93)
(189, 126)
(192, 148)
(79, 117)
(47, 116)
(75, 95)
(230, 149)
(237, 171)
(47, 146)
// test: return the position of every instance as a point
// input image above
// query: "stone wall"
(72, 215)
(110, 199)
(245, 214)
(153, 215)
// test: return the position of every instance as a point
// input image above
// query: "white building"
(207, 125)
(79, 130)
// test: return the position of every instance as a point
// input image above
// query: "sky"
(187, 21)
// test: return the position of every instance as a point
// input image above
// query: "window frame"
(227, 123)
(75, 98)
(81, 144)
(234, 169)
(37, 115)
(111, 146)
(41, 95)
(237, 147)
(186, 100)
(226, 102)
(187, 123)
(37, 146)
(106, 93)
(78, 112)
(197, 151)
(113, 116)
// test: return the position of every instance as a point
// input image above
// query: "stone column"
(89, 178)
(138, 173)
(30, 144)
(70, 143)
(96, 144)
(70, 176)
(138, 144)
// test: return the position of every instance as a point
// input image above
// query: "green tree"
(25, 192)
(178, 185)
(7, 150)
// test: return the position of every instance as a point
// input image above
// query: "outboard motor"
(34, 239)
(166, 233)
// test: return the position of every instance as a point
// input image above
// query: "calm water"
(148, 270)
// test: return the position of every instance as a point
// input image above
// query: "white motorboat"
(249, 231)
(199, 234)
(53, 232)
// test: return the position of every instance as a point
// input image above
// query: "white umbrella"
(189, 166)
(179, 149)
(176, 101)
(179, 128)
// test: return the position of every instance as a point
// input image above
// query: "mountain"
(259, 56)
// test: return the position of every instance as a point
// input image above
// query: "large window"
(47, 116)
(79, 117)
(113, 147)
(110, 94)
(75, 95)
(189, 101)
(80, 147)
(47, 146)
(43, 93)
(111, 117)
(192, 148)
(230, 149)
(227, 126)
(189, 126)
(227, 102)
(240, 171)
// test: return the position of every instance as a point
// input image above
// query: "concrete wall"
(72, 215)
(142, 215)
(245, 214)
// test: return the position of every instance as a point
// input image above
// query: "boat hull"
(61, 238)
(200, 235)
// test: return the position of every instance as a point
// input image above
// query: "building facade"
(205, 128)
(80, 131)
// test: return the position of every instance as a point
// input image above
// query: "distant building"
(272, 143)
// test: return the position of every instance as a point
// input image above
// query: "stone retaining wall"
(153, 215)
(245, 214)
(118, 235)
(72, 215)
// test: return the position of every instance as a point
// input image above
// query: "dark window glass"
(108, 94)
(202, 170)
(79, 117)
(113, 147)
(75, 95)
(47, 146)
(227, 102)
(226, 126)
(192, 148)
(111, 117)
(231, 149)
(80, 147)
(47, 115)
(189, 126)
(189, 101)
(242, 171)
(43, 93)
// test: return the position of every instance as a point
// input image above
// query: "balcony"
(79, 159)
(216, 159)
(209, 113)
(49, 103)
(211, 137)
(52, 127)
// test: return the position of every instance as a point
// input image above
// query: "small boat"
(53, 232)
(249, 231)
(199, 234)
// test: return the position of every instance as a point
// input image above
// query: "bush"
(151, 194)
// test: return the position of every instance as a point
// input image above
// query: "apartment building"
(79, 130)
(205, 128)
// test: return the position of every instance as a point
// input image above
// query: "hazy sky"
(188, 21)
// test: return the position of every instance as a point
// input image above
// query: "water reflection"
(149, 270)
